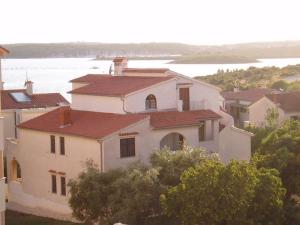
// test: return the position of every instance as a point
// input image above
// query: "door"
(184, 95)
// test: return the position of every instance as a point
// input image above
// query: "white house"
(286, 103)
(238, 103)
(115, 120)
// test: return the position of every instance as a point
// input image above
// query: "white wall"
(97, 103)
(258, 112)
(165, 94)
(234, 144)
(202, 93)
(35, 159)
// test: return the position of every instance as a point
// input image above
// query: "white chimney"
(29, 87)
(120, 63)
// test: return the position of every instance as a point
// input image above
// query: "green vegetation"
(15, 218)
(183, 187)
(212, 59)
(254, 77)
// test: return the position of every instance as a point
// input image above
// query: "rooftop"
(250, 95)
(97, 125)
(19, 99)
(107, 85)
(287, 101)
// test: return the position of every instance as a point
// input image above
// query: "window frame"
(52, 144)
(53, 184)
(63, 186)
(62, 145)
(127, 147)
(202, 131)
(150, 102)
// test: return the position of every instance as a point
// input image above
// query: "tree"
(281, 150)
(214, 194)
(172, 164)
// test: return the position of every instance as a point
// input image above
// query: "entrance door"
(184, 95)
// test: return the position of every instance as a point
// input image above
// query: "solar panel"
(20, 97)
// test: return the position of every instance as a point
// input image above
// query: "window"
(295, 117)
(20, 97)
(151, 102)
(243, 110)
(62, 145)
(63, 186)
(201, 131)
(52, 141)
(53, 184)
(127, 147)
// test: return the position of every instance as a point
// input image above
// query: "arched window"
(16, 170)
(150, 102)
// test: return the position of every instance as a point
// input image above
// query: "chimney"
(3, 52)
(65, 116)
(29, 87)
(120, 63)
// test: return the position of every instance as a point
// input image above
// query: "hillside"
(181, 53)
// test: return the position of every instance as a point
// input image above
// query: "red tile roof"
(288, 101)
(97, 125)
(251, 95)
(171, 119)
(3, 51)
(94, 125)
(145, 70)
(115, 85)
(37, 100)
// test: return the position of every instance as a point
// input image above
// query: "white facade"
(32, 192)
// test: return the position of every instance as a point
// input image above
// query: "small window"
(201, 131)
(127, 147)
(53, 184)
(151, 102)
(243, 110)
(63, 186)
(62, 145)
(52, 141)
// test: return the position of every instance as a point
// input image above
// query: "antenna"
(110, 69)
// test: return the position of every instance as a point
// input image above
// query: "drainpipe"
(101, 156)
(123, 100)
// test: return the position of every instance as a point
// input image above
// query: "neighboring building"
(287, 105)
(16, 106)
(3, 52)
(237, 103)
(115, 120)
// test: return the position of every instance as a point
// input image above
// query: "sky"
(133, 21)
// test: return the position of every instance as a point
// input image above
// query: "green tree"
(215, 194)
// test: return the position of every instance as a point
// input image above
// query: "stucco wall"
(97, 103)
(35, 159)
(202, 93)
(258, 112)
(234, 144)
(165, 94)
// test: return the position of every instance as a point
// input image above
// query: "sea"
(54, 74)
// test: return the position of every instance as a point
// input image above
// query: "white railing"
(196, 105)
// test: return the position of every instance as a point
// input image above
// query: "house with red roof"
(116, 119)
(238, 102)
(287, 104)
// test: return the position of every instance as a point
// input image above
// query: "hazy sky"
(187, 21)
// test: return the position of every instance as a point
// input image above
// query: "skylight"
(20, 97)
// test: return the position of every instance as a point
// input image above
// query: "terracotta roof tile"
(37, 100)
(3, 51)
(161, 120)
(288, 101)
(97, 125)
(119, 59)
(94, 125)
(251, 95)
(115, 85)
